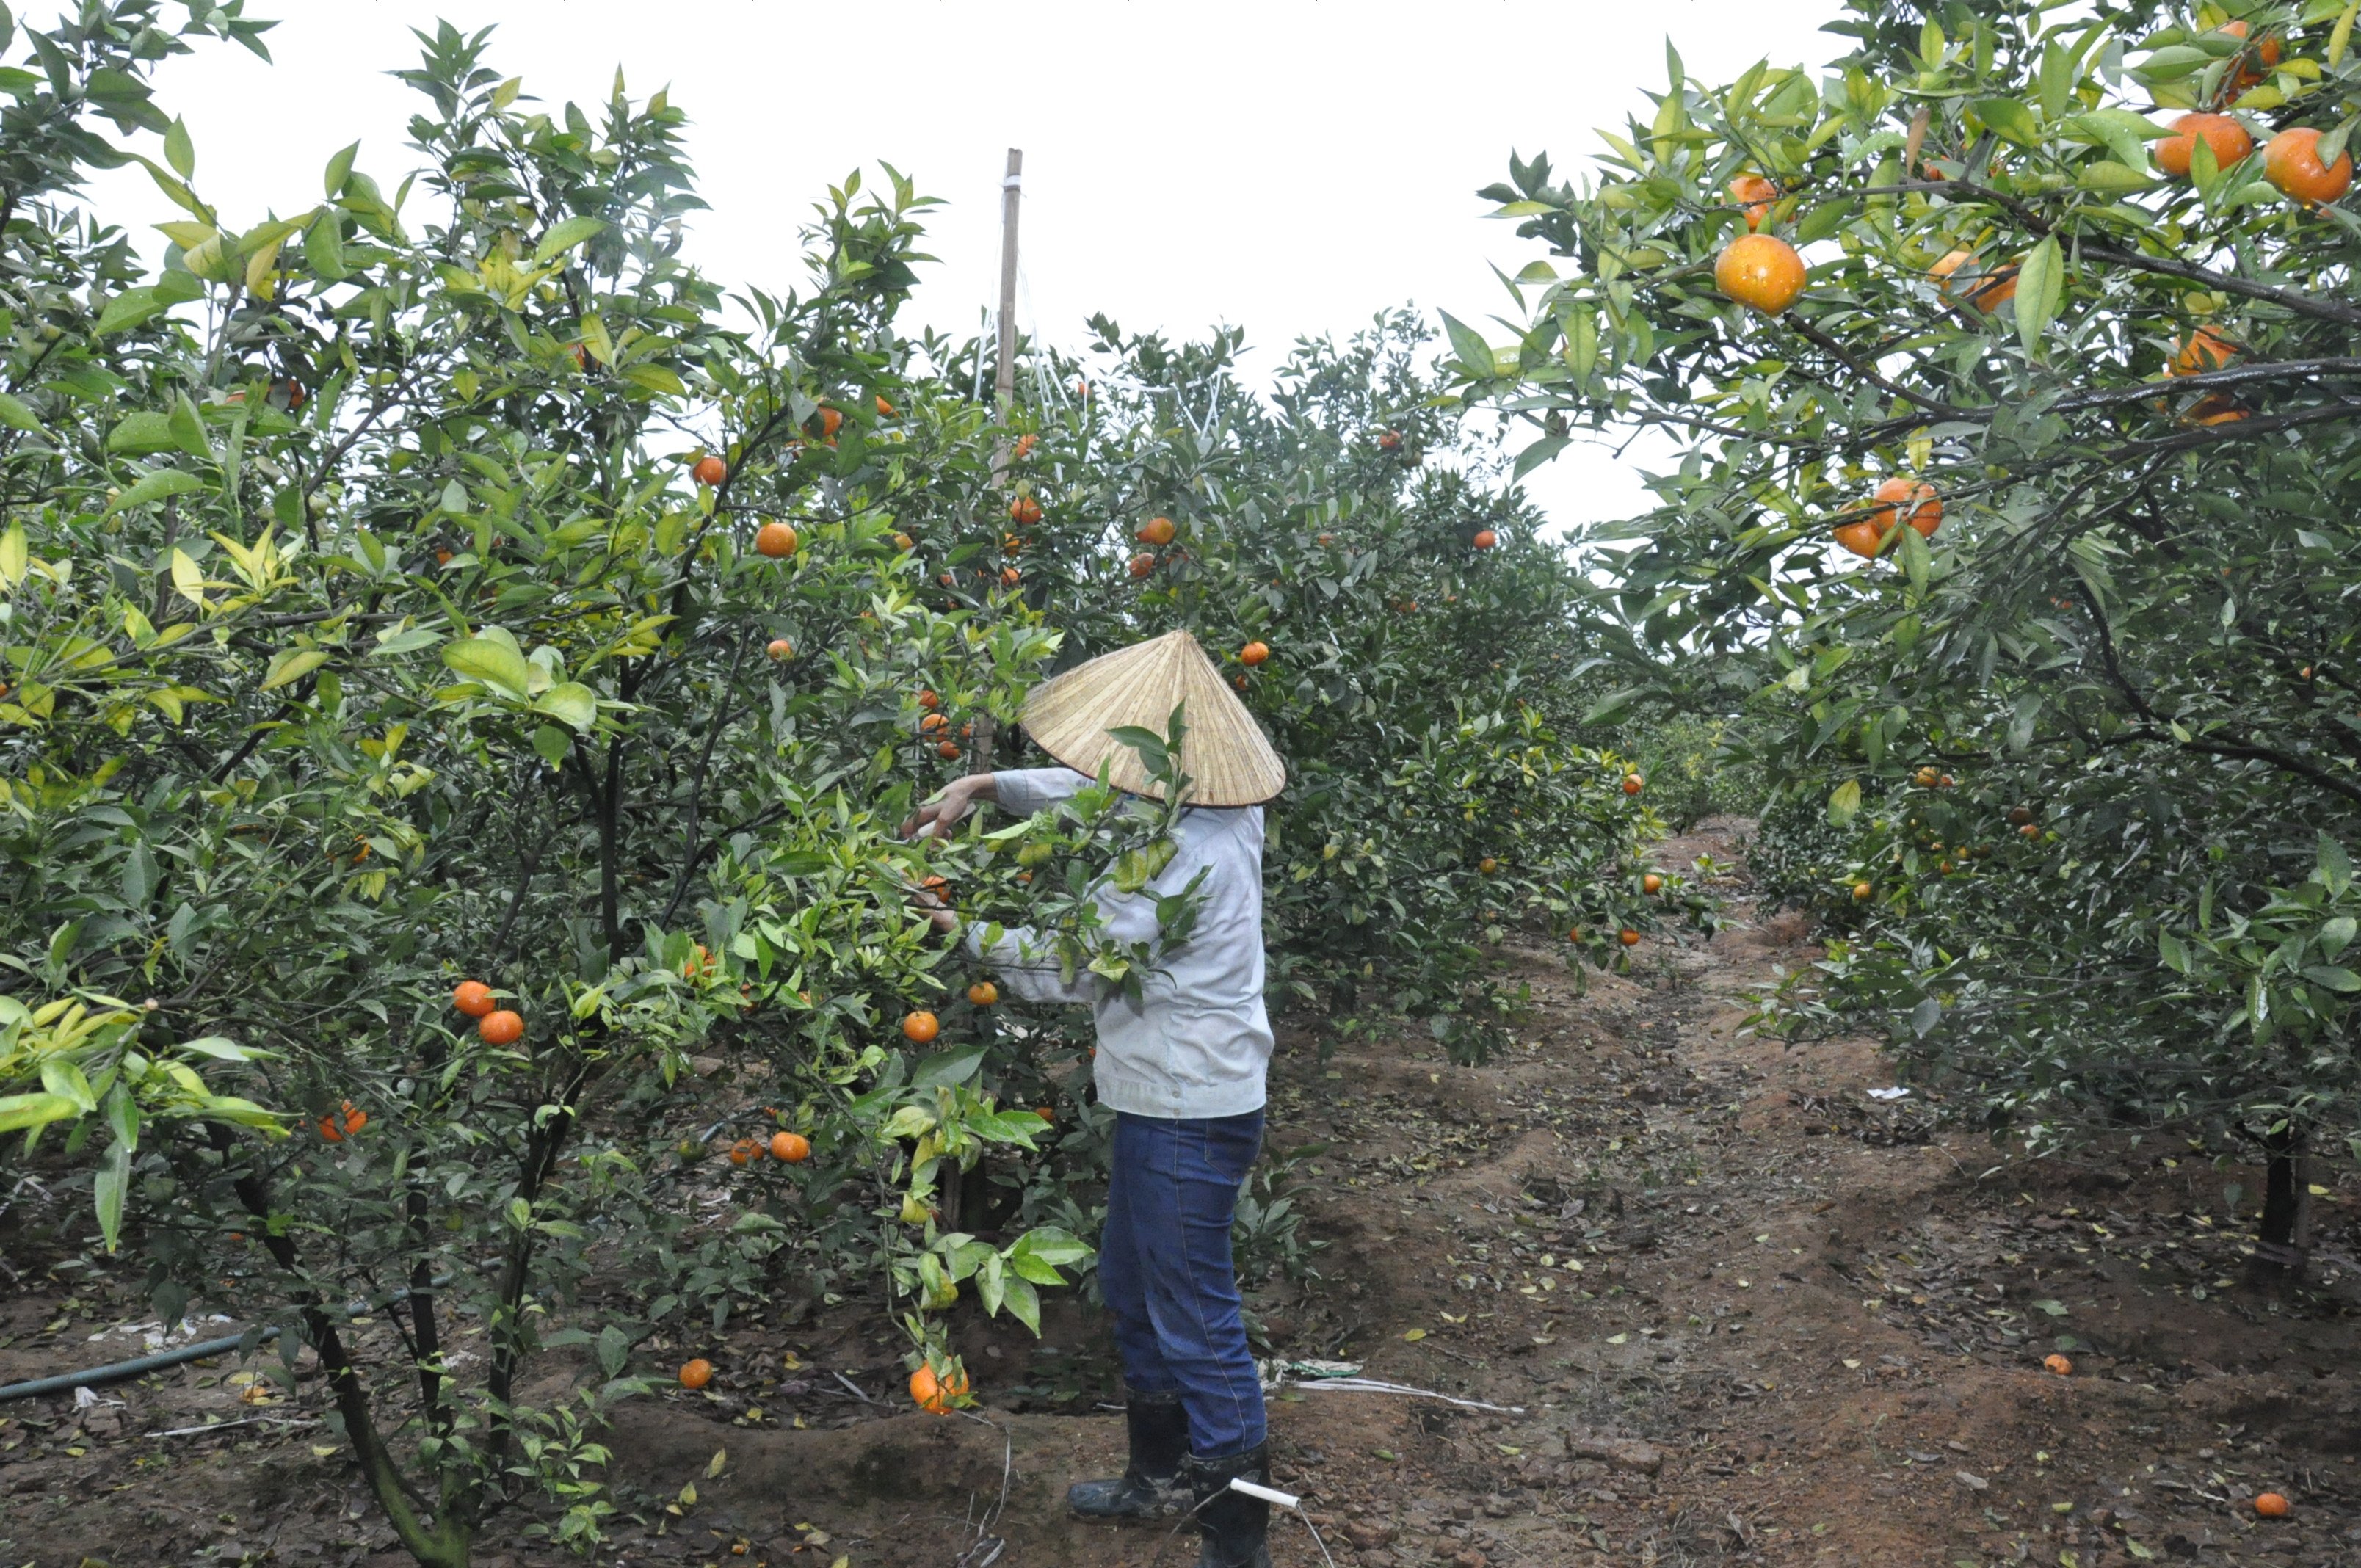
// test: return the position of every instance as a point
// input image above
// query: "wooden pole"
(1004, 377)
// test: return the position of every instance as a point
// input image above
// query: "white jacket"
(1197, 1040)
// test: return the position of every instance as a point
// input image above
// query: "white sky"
(1290, 166)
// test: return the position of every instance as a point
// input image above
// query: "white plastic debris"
(1897, 1093)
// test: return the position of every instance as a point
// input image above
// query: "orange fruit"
(1628, 936)
(1945, 782)
(2291, 163)
(1485, 539)
(1488, 865)
(1633, 783)
(1753, 195)
(920, 1027)
(2227, 138)
(1254, 652)
(1390, 441)
(2271, 1506)
(1046, 1112)
(1760, 271)
(932, 722)
(983, 994)
(442, 557)
(946, 749)
(935, 1395)
(791, 1147)
(741, 1151)
(505, 1027)
(2204, 349)
(1575, 935)
(1925, 778)
(776, 540)
(1025, 444)
(2217, 408)
(1862, 538)
(1010, 576)
(884, 409)
(1652, 883)
(355, 1119)
(1025, 511)
(472, 997)
(2265, 53)
(904, 541)
(779, 648)
(1860, 890)
(711, 470)
(1925, 511)
(2058, 1365)
(1142, 563)
(696, 1374)
(928, 698)
(1994, 285)
(1156, 530)
(2030, 831)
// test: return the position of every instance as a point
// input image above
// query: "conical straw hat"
(1225, 754)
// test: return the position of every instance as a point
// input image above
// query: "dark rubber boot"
(1149, 1488)
(1236, 1528)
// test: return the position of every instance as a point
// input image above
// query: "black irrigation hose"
(124, 1371)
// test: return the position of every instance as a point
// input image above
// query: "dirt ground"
(1735, 1310)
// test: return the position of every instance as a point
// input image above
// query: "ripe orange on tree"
(884, 409)
(2030, 831)
(1046, 1112)
(1754, 196)
(2225, 136)
(2271, 1506)
(1652, 883)
(1488, 865)
(1025, 511)
(1628, 936)
(776, 540)
(904, 542)
(779, 648)
(934, 1394)
(1485, 539)
(1925, 779)
(793, 1149)
(1142, 563)
(696, 1374)
(1633, 783)
(946, 749)
(472, 997)
(2202, 350)
(1760, 271)
(1994, 287)
(932, 722)
(1025, 444)
(343, 1123)
(1390, 441)
(1254, 652)
(920, 1027)
(711, 470)
(1156, 530)
(1860, 891)
(2291, 163)
(2265, 53)
(983, 994)
(505, 1027)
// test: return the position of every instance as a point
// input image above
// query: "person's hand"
(941, 913)
(937, 817)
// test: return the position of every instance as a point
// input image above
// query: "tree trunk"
(2283, 1243)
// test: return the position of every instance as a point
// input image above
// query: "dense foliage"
(454, 585)
(2085, 732)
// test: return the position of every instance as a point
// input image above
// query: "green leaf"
(552, 744)
(340, 168)
(178, 150)
(495, 662)
(324, 246)
(1844, 802)
(34, 1111)
(565, 237)
(1024, 1303)
(1474, 354)
(2008, 120)
(2108, 178)
(2334, 977)
(291, 664)
(653, 378)
(108, 1190)
(569, 702)
(2040, 283)
(947, 1069)
(144, 432)
(221, 1049)
(129, 308)
(15, 413)
(163, 482)
(1538, 452)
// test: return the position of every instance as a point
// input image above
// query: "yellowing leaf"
(292, 664)
(1414, 1335)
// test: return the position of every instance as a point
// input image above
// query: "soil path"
(1737, 1311)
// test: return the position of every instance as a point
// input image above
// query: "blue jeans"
(1165, 1269)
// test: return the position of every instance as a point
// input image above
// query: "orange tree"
(443, 584)
(2011, 364)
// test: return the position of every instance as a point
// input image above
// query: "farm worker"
(1182, 1065)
